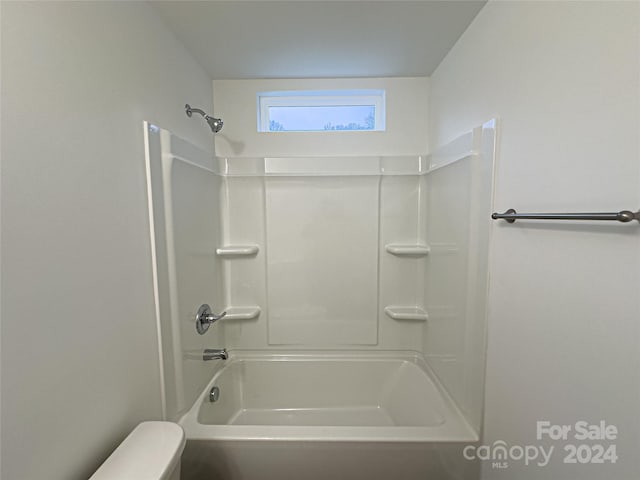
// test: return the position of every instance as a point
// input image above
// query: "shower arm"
(189, 109)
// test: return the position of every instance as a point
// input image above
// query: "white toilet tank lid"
(150, 452)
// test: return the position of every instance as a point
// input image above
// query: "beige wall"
(79, 345)
(564, 79)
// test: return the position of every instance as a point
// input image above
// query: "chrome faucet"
(214, 354)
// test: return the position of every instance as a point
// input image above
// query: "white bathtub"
(350, 415)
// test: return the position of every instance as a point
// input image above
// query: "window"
(321, 111)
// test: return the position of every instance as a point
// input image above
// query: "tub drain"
(214, 394)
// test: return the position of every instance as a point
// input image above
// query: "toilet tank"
(152, 451)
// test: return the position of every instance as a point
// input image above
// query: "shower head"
(215, 123)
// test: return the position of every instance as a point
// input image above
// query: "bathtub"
(307, 416)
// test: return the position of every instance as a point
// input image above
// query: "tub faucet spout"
(213, 354)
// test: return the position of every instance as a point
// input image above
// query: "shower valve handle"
(204, 318)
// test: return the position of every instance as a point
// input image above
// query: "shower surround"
(339, 276)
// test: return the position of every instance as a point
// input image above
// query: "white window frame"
(321, 98)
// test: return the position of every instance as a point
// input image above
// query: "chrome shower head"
(215, 123)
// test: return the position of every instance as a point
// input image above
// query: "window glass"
(321, 111)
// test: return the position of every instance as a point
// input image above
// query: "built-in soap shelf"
(242, 313)
(406, 313)
(237, 250)
(407, 250)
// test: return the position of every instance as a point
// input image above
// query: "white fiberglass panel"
(197, 268)
(446, 274)
(185, 229)
(458, 226)
(322, 260)
(401, 279)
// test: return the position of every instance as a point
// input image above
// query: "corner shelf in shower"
(237, 250)
(406, 313)
(242, 313)
(407, 250)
